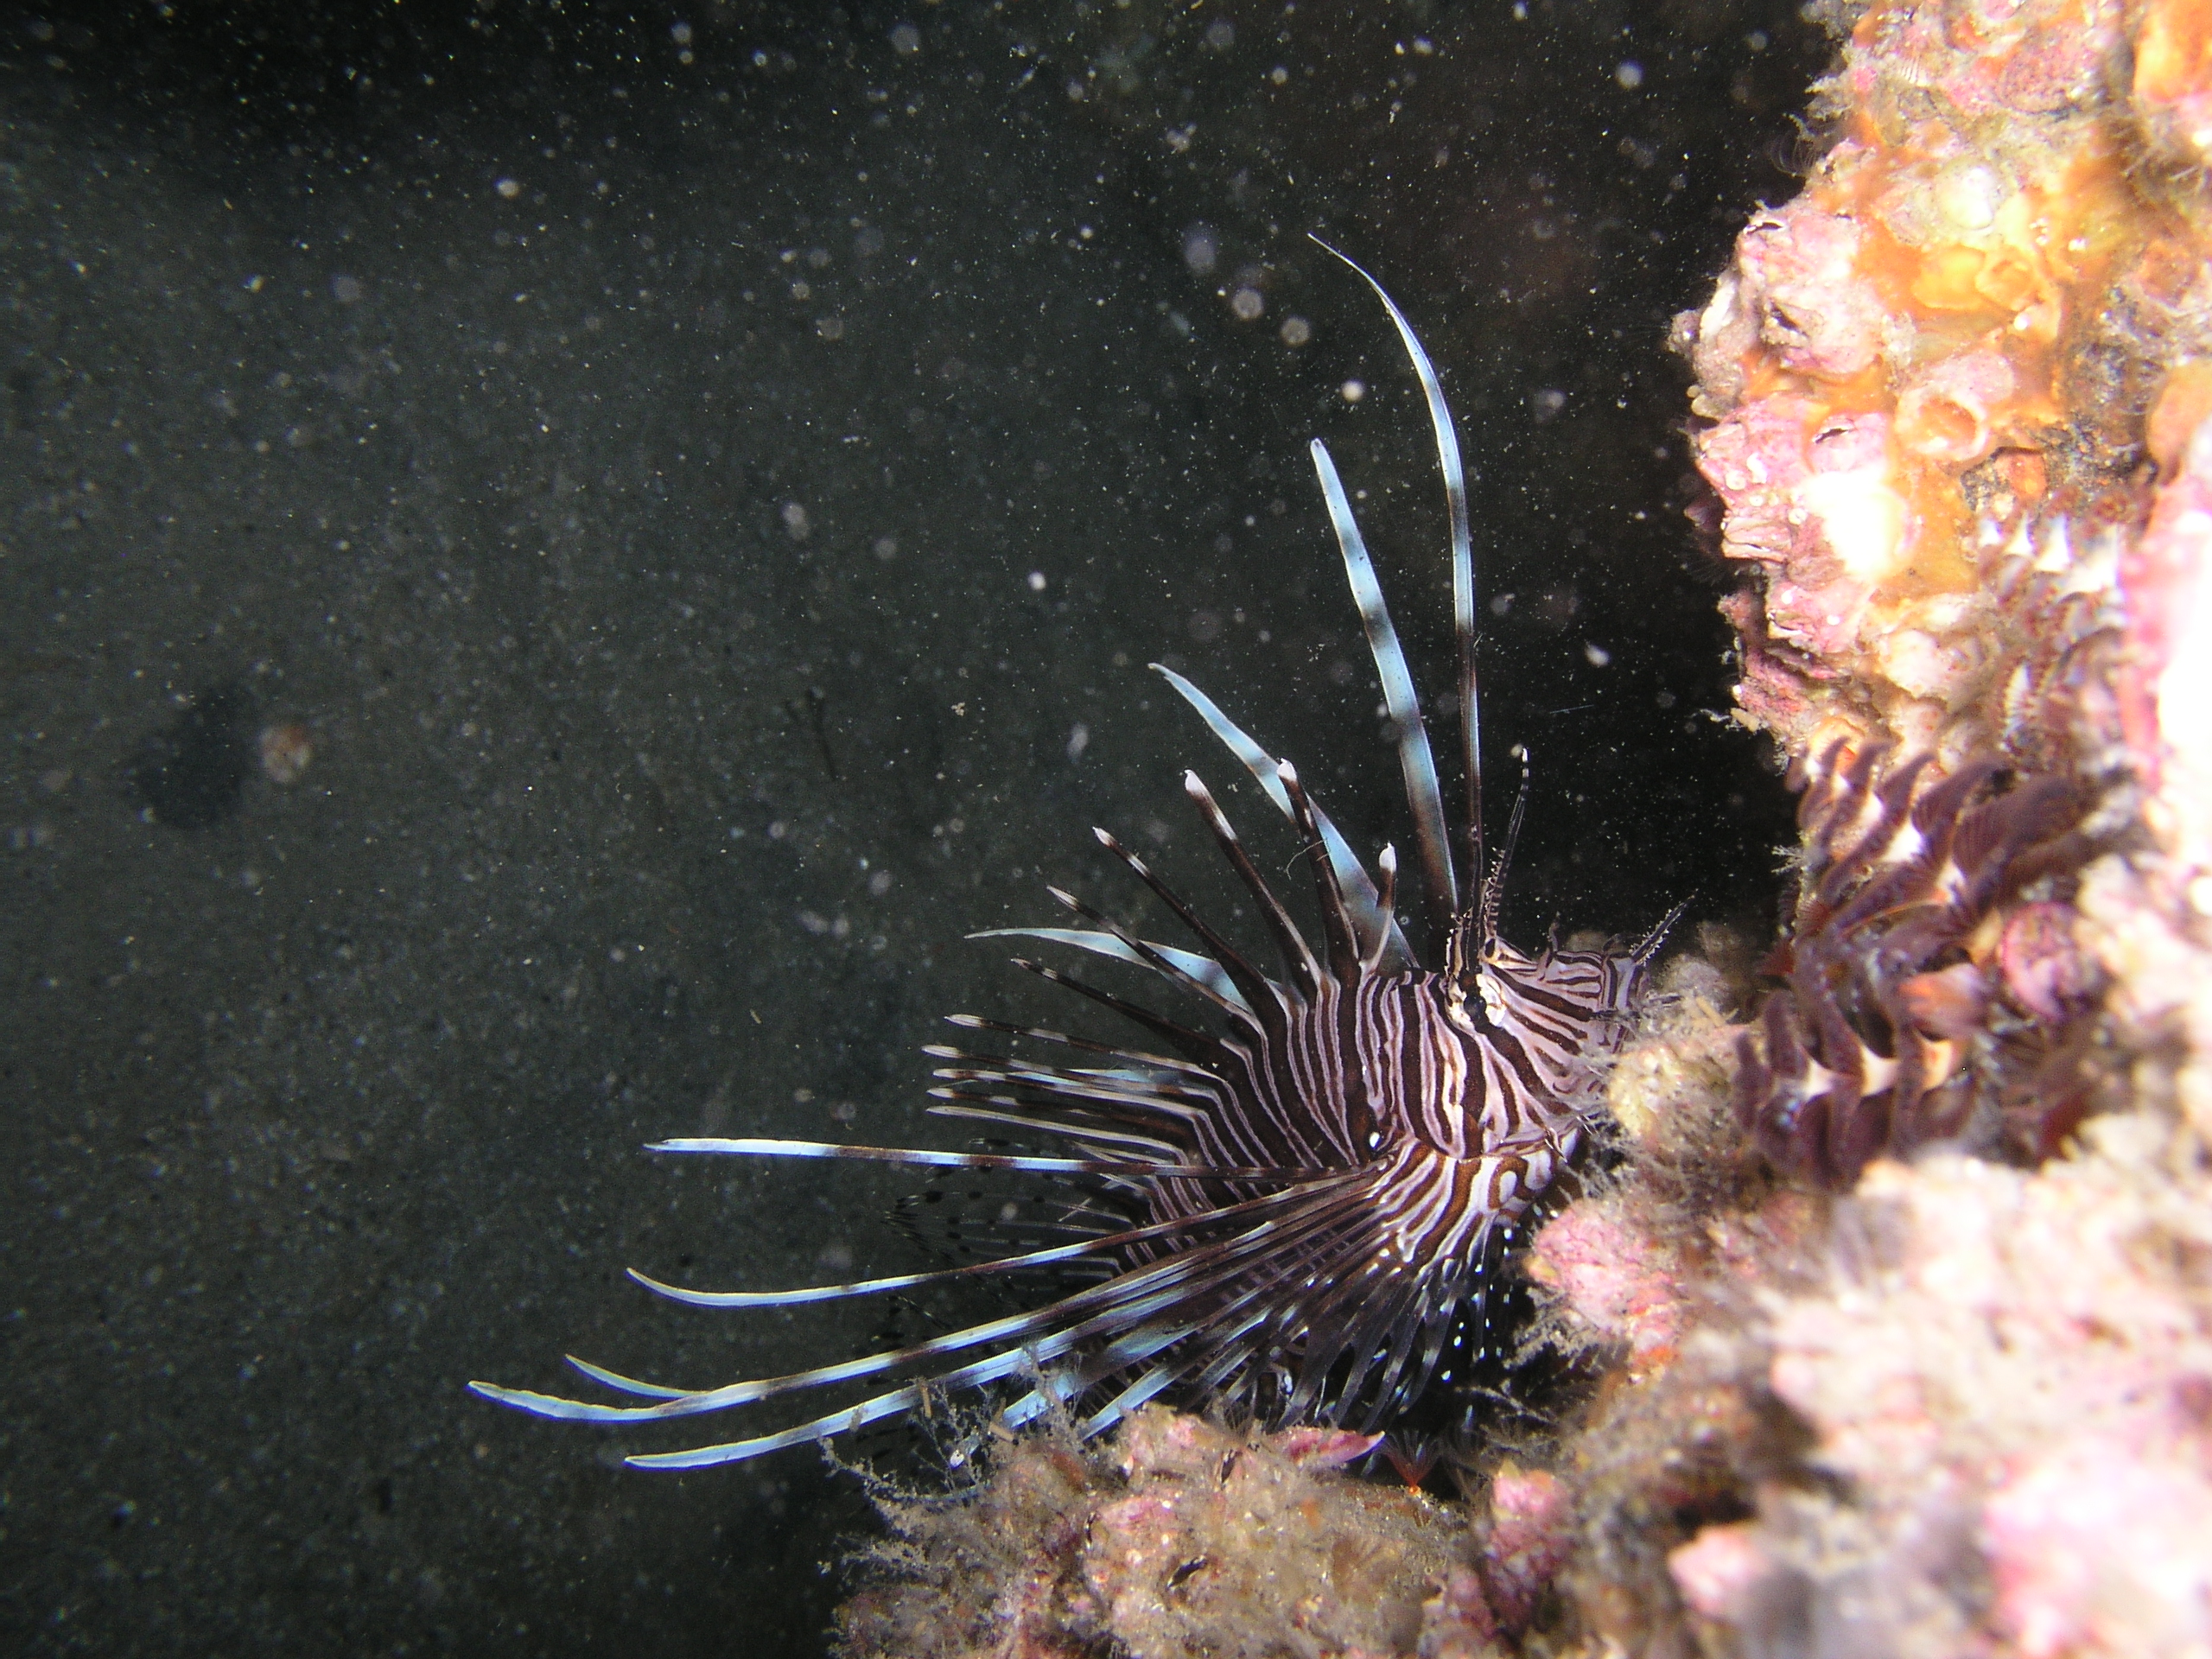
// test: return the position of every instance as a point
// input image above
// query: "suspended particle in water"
(285, 751)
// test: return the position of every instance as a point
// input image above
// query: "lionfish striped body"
(1293, 1214)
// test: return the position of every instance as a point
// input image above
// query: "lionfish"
(1291, 1212)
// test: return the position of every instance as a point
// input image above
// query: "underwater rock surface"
(1895, 1312)
(1936, 1341)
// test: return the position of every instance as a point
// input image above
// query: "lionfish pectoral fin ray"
(1052, 1390)
(897, 1403)
(1099, 1245)
(1255, 990)
(1150, 1385)
(1463, 557)
(1118, 1356)
(1377, 926)
(622, 1384)
(1095, 1135)
(1140, 1095)
(1086, 1045)
(1204, 969)
(928, 1159)
(1415, 760)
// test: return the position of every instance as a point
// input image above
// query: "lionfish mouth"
(1290, 1208)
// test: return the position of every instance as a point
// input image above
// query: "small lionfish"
(1293, 1216)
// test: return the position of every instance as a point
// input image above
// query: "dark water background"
(708, 481)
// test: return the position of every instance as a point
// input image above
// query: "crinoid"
(1929, 973)
(1292, 1209)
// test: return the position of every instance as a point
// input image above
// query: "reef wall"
(1896, 1315)
(1922, 1368)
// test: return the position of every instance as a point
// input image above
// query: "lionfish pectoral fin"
(1204, 969)
(892, 1403)
(1106, 1244)
(1125, 1310)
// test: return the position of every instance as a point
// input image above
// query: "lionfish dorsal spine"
(1454, 473)
(1432, 840)
(1378, 924)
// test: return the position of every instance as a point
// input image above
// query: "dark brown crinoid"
(1933, 991)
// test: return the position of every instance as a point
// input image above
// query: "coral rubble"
(1894, 1303)
(1182, 1538)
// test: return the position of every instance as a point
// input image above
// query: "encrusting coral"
(1893, 1303)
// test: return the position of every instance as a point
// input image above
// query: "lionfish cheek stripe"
(1295, 1214)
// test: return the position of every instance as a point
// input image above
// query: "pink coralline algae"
(1614, 1277)
(1530, 1515)
(1799, 274)
(2022, 1362)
